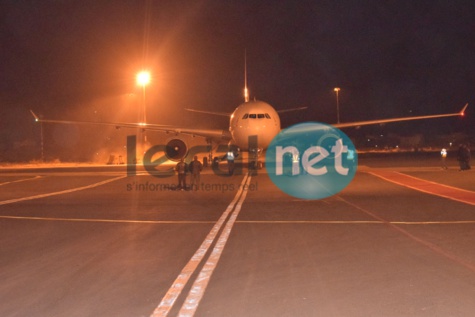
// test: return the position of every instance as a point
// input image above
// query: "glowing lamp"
(143, 78)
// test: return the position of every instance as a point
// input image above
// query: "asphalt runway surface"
(93, 242)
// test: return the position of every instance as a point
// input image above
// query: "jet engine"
(176, 149)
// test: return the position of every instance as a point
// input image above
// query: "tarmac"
(94, 241)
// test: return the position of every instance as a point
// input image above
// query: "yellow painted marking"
(433, 247)
(291, 222)
(356, 222)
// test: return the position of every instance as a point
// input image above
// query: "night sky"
(78, 60)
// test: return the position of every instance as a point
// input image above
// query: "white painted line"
(430, 192)
(199, 286)
(435, 183)
(21, 180)
(165, 222)
(11, 201)
(177, 287)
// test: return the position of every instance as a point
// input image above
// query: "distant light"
(142, 124)
(143, 78)
(337, 89)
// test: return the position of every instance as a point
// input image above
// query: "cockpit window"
(256, 116)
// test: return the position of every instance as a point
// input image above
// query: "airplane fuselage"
(254, 118)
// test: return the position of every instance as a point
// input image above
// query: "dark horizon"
(78, 60)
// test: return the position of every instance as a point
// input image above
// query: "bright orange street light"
(143, 79)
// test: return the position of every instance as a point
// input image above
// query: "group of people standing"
(195, 167)
(463, 156)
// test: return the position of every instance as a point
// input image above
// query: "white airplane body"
(254, 118)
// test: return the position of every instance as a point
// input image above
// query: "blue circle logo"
(311, 160)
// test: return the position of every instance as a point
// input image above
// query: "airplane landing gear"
(259, 165)
(255, 165)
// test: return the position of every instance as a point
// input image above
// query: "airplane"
(250, 119)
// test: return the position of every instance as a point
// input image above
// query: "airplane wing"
(214, 134)
(114, 124)
(223, 114)
(308, 129)
(381, 121)
(291, 109)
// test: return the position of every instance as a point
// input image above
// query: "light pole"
(143, 79)
(337, 90)
(41, 136)
(42, 143)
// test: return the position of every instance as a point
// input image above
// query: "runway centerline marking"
(199, 286)
(425, 186)
(180, 282)
(67, 191)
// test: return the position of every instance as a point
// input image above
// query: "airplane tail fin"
(246, 91)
